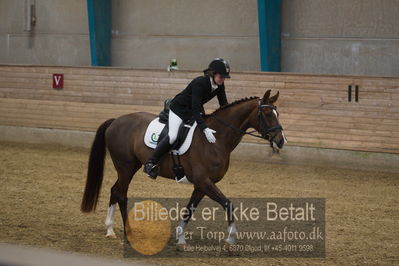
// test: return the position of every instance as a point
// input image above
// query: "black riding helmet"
(219, 66)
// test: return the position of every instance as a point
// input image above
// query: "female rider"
(189, 104)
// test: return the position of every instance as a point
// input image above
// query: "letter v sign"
(58, 81)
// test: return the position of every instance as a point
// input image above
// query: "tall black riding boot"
(151, 167)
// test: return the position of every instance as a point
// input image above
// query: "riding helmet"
(220, 66)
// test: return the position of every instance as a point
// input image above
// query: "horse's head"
(267, 121)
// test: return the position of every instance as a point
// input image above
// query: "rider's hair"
(209, 73)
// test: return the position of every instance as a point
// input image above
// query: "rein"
(251, 133)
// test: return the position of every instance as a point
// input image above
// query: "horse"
(205, 164)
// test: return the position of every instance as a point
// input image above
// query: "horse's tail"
(95, 169)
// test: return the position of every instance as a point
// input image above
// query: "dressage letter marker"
(58, 81)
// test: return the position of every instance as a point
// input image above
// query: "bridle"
(266, 131)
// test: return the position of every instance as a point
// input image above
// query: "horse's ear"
(266, 96)
(274, 98)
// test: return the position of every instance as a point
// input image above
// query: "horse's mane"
(232, 104)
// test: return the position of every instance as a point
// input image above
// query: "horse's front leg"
(195, 199)
(212, 191)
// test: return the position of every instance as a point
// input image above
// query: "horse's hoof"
(181, 247)
(110, 236)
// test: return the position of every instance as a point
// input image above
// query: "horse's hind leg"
(119, 193)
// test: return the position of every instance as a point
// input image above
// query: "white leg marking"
(232, 233)
(109, 221)
(180, 233)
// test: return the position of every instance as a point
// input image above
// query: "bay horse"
(204, 163)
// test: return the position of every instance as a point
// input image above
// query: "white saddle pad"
(155, 128)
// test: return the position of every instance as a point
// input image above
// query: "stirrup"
(151, 170)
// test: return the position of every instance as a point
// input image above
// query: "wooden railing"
(314, 109)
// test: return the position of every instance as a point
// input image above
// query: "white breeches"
(174, 123)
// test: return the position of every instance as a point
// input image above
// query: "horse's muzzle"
(278, 141)
(281, 143)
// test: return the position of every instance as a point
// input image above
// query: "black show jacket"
(189, 103)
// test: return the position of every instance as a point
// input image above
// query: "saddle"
(158, 129)
(164, 114)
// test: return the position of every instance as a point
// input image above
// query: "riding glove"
(209, 135)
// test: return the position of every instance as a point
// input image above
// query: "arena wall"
(341, 37)
(314, 109)
(330, 36)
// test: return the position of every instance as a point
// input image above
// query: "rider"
(189, 103)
